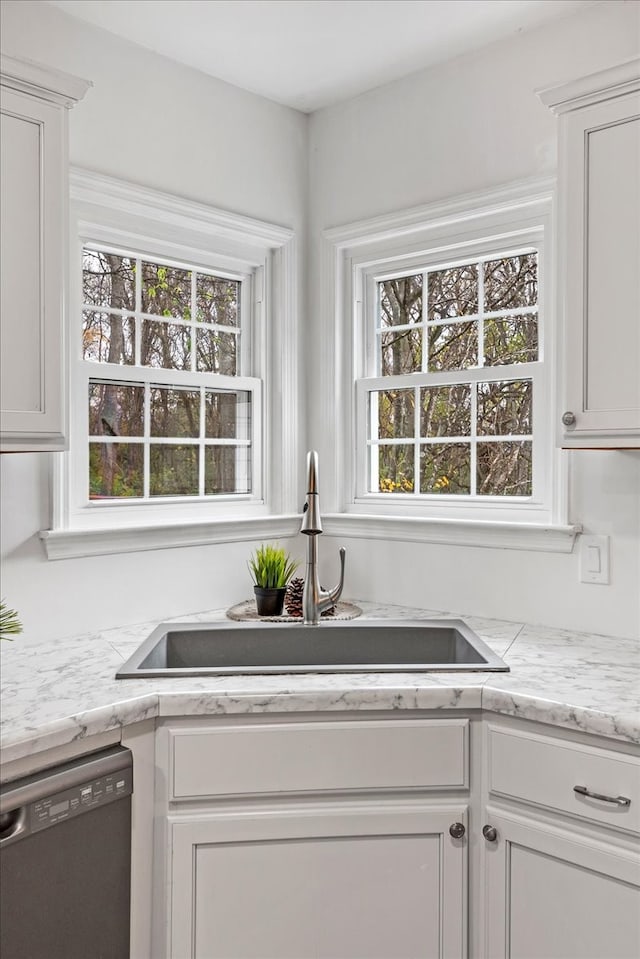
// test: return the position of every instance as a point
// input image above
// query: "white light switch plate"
(594, 559)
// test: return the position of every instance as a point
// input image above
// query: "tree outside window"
(459, 344)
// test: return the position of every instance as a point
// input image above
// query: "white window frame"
(356, 256)
(83, 371)
(123, 217)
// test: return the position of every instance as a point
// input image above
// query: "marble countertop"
(60, 692)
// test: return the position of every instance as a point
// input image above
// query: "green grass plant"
(10, 624)
(272, 567)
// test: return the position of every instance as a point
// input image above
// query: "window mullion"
(194, 332)
(371, 409)
(538, 413)
(138, 310)
(425, 320)
(251, 319)
(374, 476)
(372, 307)
(146, 456)
(416, 442)
(481, 315)
(201, 444)
(473, 466)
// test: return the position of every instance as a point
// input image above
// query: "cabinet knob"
(457, 830)
(569, 418)
(490, 833)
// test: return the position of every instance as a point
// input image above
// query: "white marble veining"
(604, 700)
(54, 694)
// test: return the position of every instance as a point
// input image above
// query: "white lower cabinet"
(376, 880)
(321, 839)
(560, 871)
(363, 838)
(552, 893)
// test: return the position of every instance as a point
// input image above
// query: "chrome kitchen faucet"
(315, 600)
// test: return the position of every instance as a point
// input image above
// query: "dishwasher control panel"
(36, 802)
(73, 802)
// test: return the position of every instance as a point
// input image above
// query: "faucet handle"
(336, 592)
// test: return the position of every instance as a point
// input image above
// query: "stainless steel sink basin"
(214, 649)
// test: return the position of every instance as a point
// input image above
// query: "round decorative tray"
(246, 612)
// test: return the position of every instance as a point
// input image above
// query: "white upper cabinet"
(33, 246)
(599, 261)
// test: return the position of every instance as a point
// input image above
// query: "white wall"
(468, 125)
(463, 126)
(153, 122)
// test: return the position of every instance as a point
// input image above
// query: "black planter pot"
(269, 600)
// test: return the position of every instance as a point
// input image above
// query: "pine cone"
(293, 597)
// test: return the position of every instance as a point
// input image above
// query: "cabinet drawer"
(544, 771)
(301, 757)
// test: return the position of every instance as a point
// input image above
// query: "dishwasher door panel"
(65, 887)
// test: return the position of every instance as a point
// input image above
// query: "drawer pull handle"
(616, 800)
(457, 830)
(490, 833)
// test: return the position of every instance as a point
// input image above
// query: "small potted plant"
(271, 568)
(10, 624)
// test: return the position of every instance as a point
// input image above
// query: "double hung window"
(163, 350)
(452, 362)
(176, 318)
(456, 352)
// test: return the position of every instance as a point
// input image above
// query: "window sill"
(454, 532)
(76, 543)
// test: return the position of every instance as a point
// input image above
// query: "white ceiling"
(309, 54)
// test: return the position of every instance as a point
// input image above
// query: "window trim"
(117, 213)
(517, 210)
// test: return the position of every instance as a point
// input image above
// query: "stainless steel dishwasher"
(65, 860)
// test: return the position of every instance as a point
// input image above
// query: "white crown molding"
(96, 189)
(454, 532)
(585, 91)
(26, 76)
(463, 209)
(75, 543)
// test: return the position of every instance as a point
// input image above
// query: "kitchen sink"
(218, 649)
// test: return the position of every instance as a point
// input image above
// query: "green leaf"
(10, 624)
(271, 567)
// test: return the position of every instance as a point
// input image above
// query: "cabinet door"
(552, 894)
(323, 883)
(601, 236)
(33, 237)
